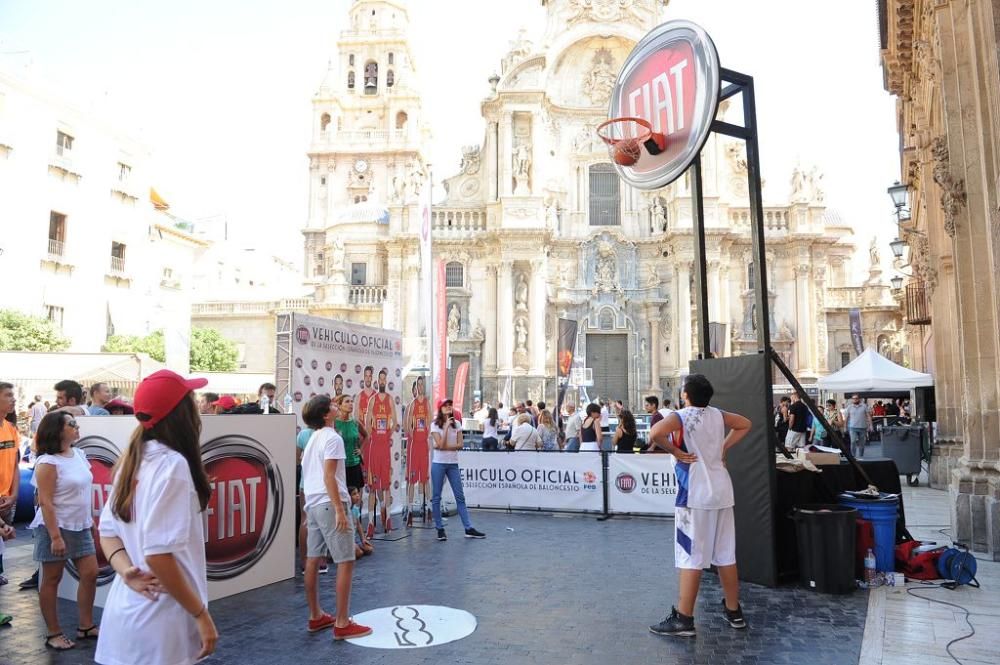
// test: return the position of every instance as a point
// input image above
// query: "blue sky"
(220, 89)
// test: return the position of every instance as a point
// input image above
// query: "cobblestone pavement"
(555, 590)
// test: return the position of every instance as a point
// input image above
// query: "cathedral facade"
(537, 226)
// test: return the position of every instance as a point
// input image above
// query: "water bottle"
(288, 402)
(265, 404)
(870, 568)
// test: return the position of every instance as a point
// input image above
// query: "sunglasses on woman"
(72, 423)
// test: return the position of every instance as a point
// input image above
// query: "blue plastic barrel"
(882, 514)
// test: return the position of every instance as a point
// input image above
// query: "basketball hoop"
(626, 137)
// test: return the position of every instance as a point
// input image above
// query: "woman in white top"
(491, 435)
(63, 524)
(524, 436)
(447, 439)
(152, 531)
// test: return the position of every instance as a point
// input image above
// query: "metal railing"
(56, 247)
(368, 295)
(252, 307)
(918, 310)
(117, 264)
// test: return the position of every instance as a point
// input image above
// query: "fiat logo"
(243, 514)
(625, 482)
(302, 334)
(102, 455)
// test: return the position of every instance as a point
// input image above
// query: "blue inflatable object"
(25, 497)
(882, 513)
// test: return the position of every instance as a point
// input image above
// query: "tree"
(22, 332)
(211, 352)
(152, 345)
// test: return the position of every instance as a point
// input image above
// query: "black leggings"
(490, 444)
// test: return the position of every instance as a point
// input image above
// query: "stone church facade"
(536, 225)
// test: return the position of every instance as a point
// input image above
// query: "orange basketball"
(627, 152)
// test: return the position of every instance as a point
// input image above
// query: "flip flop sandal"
(5, 619)
(49, 645)
(87, 633)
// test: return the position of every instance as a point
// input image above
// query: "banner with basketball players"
(565, 348)
(366, 363)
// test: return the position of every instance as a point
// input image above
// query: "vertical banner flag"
(857, 336)
(458, 390)
(426, 273)
(335, 358)
(440, 333)
(565, 347)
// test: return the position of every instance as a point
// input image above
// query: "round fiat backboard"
(671, 78)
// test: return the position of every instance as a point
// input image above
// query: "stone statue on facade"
(551, 214)
(798, 184)
(470, 160)
(337, 262)
(815, 185)
(521, 293)
(416, 181)
(522, 167)
(479, 332)
(583, 142)
(606, 268)
(876, 259)
(398, 188)
(658, 223)
(521, 336)
(601, 80)
(454, 322)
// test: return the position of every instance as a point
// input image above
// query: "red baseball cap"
(442, 402)
(226, 402)
(159, 393)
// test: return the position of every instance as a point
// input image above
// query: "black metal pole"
(700, 268)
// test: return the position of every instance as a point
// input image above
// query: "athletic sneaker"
(324, 569)
(323, 622)
(370, 532)
(350, 631)
(442, 535)
(675, 625)
(407, 517)
(30, 583)
(472, 533)
(734, 617)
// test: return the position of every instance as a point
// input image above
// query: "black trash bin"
(826, 536)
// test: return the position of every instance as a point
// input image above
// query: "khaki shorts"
(323, 536)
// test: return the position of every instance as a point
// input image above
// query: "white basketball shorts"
(704, 538)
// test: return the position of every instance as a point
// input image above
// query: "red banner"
(439, 340)
(458, 390)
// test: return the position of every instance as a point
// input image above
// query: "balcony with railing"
(918, 306)
(364, 137)
(57, 248)
(251, 308)
(457, 222)
(117, 265)
(775, 219)
(367, 295)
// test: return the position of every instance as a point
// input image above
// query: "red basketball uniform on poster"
(417, 449)
(380, 452)
(361, 405)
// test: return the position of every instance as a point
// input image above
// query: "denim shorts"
(78, 545)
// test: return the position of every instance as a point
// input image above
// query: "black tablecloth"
(797, 489)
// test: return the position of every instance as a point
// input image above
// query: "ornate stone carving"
(586, 141)
(953, 197)
(873, 255)
(521, 342)
(657, 216)
(605, 274)
(479, 332)
(521, 293)
(454, 322)
(522, 167)
(470, 160)
(520, 49)
(601, 79)
(606, 11)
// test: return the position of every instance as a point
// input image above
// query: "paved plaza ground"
(569, 589)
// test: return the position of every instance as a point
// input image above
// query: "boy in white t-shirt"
(705, 527)
(328, 516)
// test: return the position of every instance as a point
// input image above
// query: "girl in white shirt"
(151, 529)
(63, 524)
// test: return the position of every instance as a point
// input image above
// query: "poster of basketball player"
(418, 455)
(337, 358)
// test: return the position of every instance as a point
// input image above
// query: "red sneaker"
(351, 631)
(388, 524)
(322, 623)
(370, 532)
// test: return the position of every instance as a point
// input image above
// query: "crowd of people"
(854, 420)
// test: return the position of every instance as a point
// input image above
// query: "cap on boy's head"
(225, 402)
(159, 393)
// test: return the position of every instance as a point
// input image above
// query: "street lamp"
(897, 246)
(899, 193)
(897, 282)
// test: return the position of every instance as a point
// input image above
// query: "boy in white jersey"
(705, 528)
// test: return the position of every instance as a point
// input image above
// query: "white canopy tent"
(871, 372)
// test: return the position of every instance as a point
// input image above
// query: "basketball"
(627, 152)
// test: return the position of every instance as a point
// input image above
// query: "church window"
(606, 320)
(391, 58)
(324, 122)
(350, 80)
(358, 274)
(320, 267)
(454, 275)
(390, 78)
(322, 180)
(845, 359)
(750, 276)
(401, 119)
(371, 77)
(350, 60)
(605, 196)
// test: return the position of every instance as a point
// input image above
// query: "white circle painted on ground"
(414, 626)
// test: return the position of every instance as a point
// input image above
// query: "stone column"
(822, 341)
(714, 293)
(506, 155)
(491, 158)
(505, 314)
(537, 332)
(654, 349)
(726, 308)
(803, 319)
(490, 310)
(413, 301)
(683, 314)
